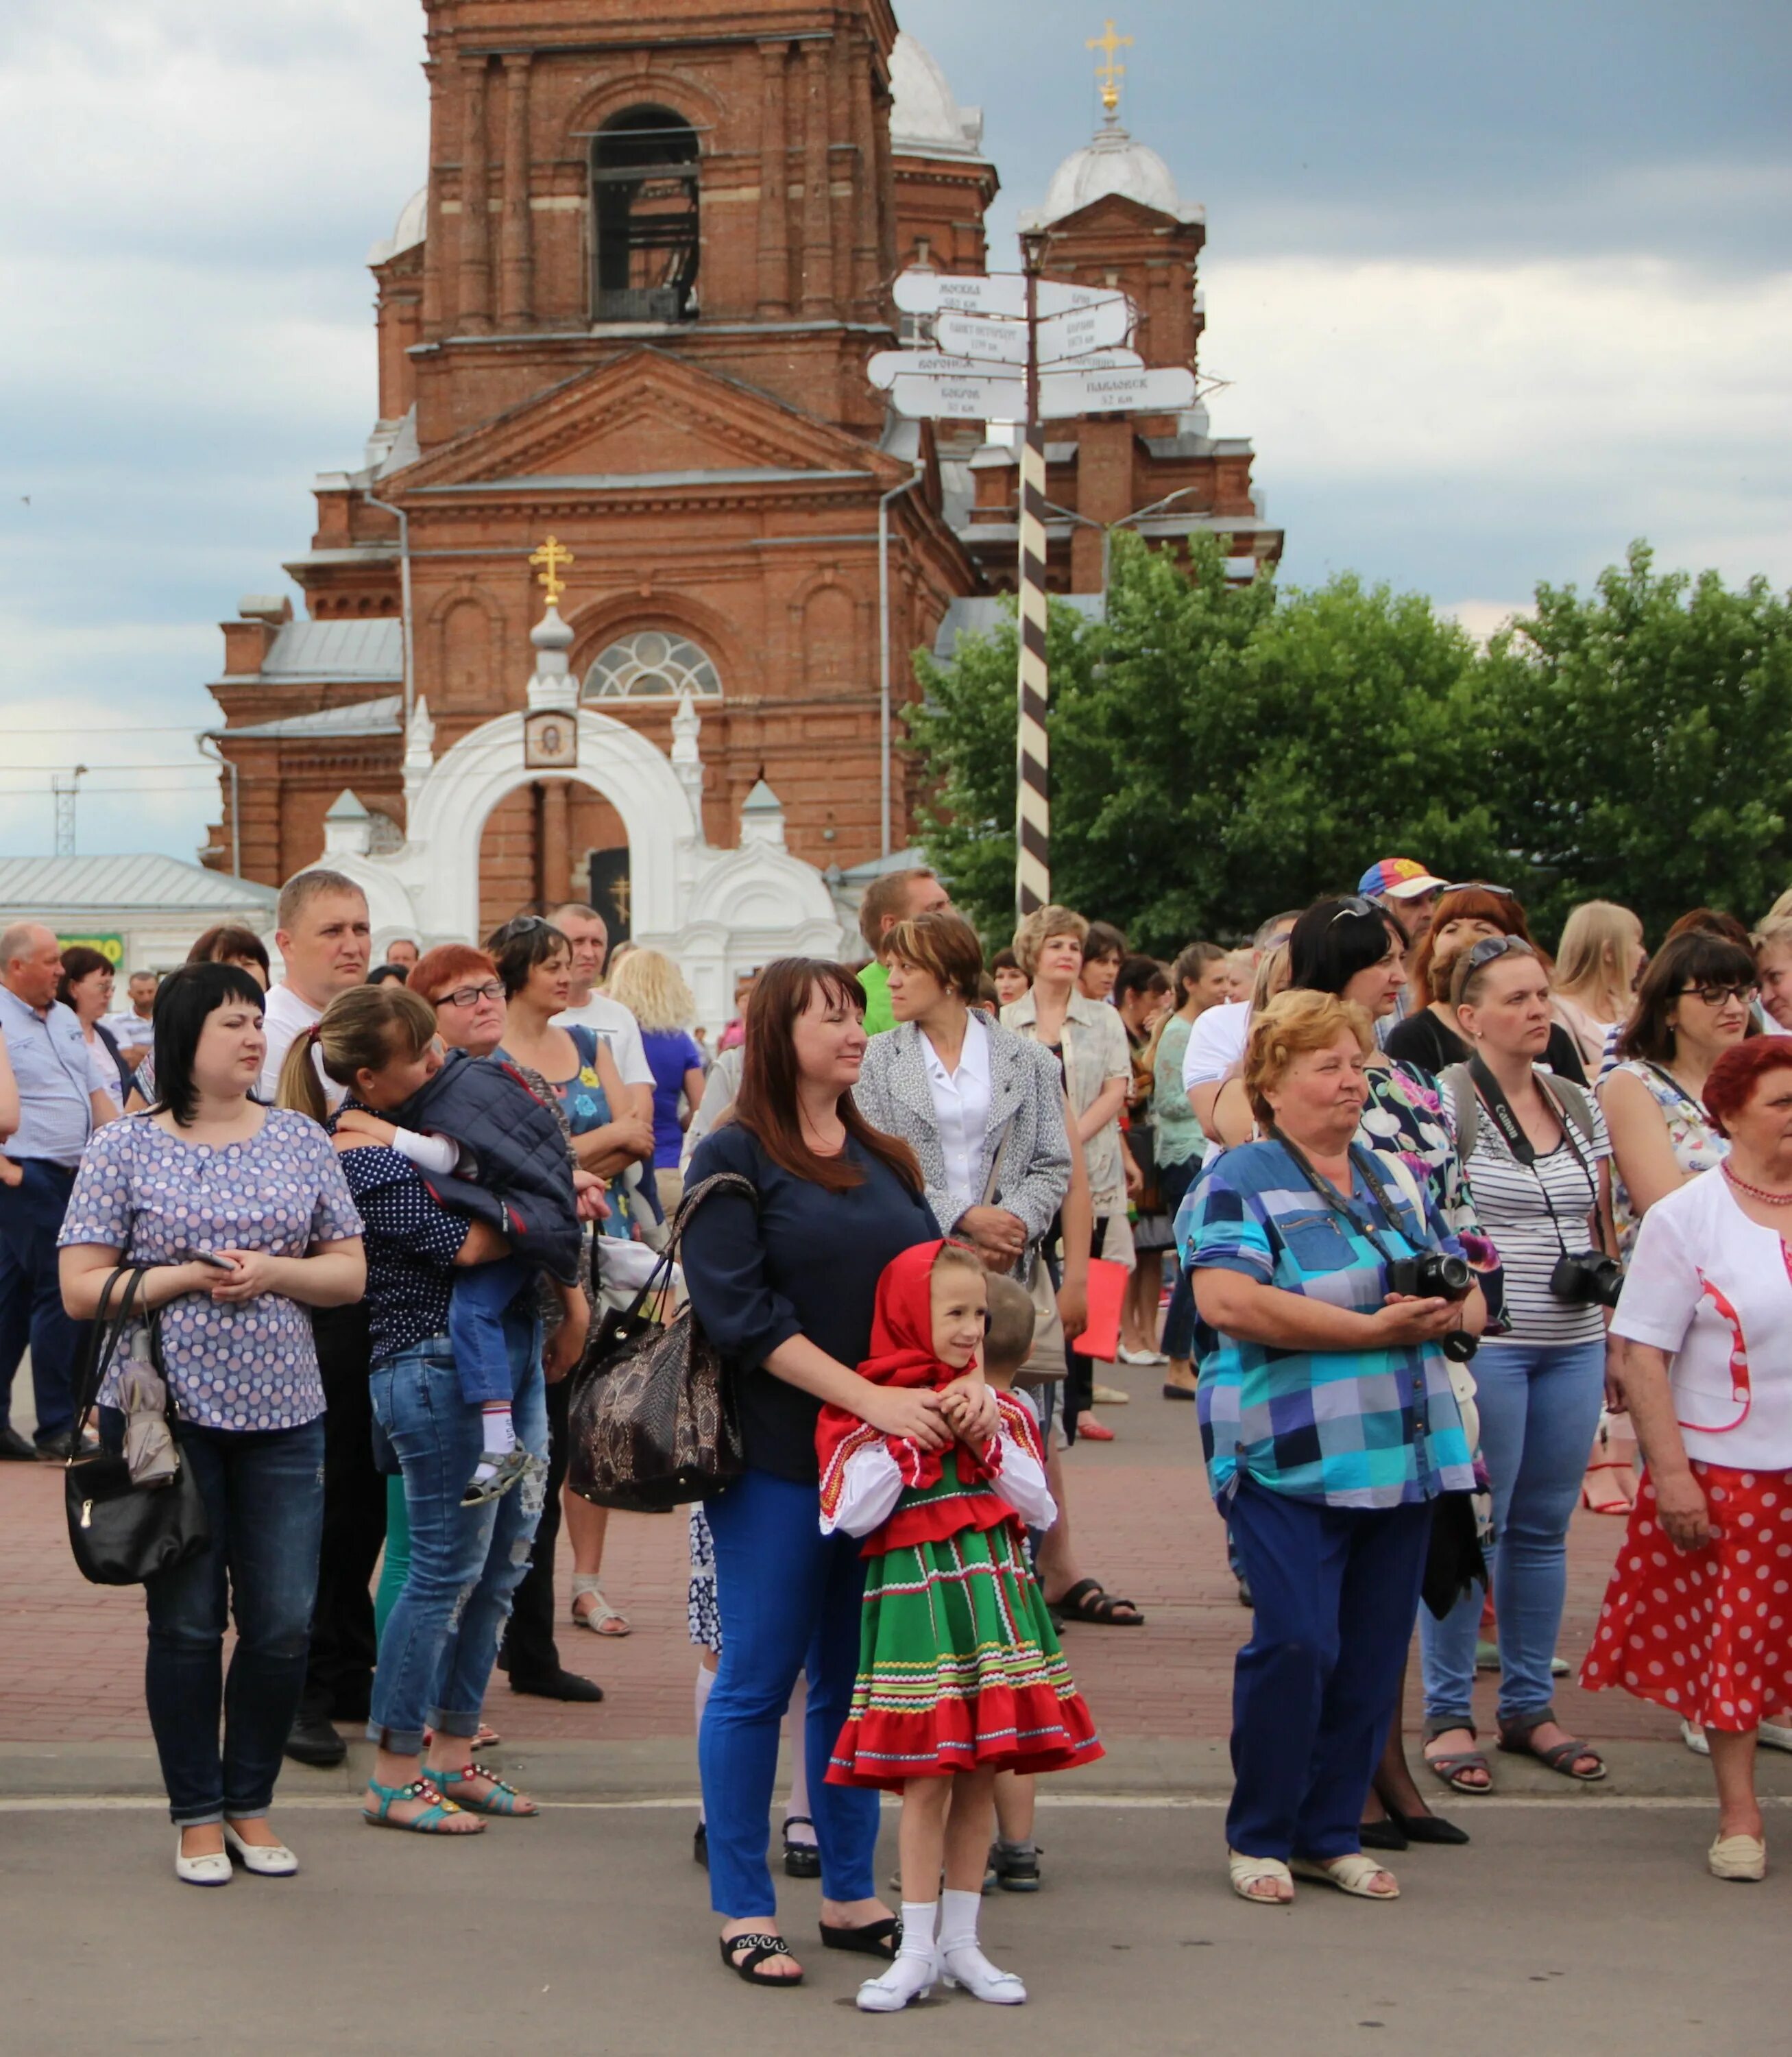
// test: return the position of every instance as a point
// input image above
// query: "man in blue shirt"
(62, 1099)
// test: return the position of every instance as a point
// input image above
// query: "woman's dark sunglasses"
(470, 996)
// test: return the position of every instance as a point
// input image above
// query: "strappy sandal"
(1090, 1600)
(744, 1954)
(1450, 1764)
(429, 1822)
(1350, 1873)
(1246, 1872)
(512, 1466)
(503, 1799)
(583, 1585)
(871, 1939)
(1515, 1733)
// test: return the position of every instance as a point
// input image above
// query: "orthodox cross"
(551, 556)
(1108, 72)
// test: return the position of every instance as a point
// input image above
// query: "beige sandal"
(1737, 1856)
(1246, 1872)
(1349, 1874)
(601, 1613)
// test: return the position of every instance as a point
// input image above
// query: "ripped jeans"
(441, 1639)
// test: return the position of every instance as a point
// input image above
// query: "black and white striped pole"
(1033, 749)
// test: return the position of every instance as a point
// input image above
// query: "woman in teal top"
(1198, 980)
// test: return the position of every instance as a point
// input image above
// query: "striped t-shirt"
(1508, 1198)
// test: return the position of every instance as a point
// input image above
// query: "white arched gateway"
(718, 912)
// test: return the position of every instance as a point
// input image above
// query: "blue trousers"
(1313, 1691)
(1539, 1414)
(31, 1295)
(1173, 1182)
(263, 1496)
(475, 1327)
(789, 1598)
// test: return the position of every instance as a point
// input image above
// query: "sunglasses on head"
(1479, 886)
(1491, 947)
(1359, 905)
(1714, 995)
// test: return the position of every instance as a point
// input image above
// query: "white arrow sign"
(976, 399)
(1063, 394)
(978, 335)
(998, 293)
(887, 366)
(1075, 334)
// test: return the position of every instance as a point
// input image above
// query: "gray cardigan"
(1026, 1124)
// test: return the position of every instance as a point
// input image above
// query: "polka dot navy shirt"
(411, 1244)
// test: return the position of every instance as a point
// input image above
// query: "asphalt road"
(1564, 1928)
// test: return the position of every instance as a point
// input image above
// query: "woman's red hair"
(439, 970)
(1735, 1076)
(1468, 903)
(766, 1105)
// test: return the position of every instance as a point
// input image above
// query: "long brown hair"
(765, 1106)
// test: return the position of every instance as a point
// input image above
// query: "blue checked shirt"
(1351, 1428)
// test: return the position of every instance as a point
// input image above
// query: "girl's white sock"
(498, 1437)
(963, 1963)
(913, 1974)
(705, 1678)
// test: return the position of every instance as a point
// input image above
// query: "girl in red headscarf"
(960, 1674)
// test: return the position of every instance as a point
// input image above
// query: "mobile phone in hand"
(210, 1257)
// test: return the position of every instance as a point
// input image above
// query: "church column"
(476, 221)
(865, 274)
(436, 292)
(517, 259)
(554, 843)
(774, 180)
(885, 159)
(818, 247)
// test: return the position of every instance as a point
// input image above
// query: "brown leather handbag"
(651, 1420)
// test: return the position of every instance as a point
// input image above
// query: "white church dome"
(1112, 162)
(410, 229)
(925, 119)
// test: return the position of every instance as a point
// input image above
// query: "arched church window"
(644, 180)
(652, 664)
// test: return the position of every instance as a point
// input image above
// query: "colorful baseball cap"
(1399, 878)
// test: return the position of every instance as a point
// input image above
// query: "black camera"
(1587, 1279)
(1431, 1275)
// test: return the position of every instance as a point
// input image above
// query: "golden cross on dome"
(1109, 72)
(550, 556)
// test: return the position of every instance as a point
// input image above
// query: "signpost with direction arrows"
(1013, 346)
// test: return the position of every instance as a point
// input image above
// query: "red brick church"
(632, 308)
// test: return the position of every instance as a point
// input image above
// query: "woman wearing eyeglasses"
(1432, 1038)
(1535, 1150)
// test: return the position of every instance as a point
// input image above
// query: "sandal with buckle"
(745, 1953)
(512, 1466)
(1516, 1734)
(1090, 1600)
(1450, 1766)
(429, 1823)
(502, 1799)
(601, 1612)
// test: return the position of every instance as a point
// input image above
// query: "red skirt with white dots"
(1707, 1633)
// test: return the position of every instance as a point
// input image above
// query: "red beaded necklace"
(1757, 1192)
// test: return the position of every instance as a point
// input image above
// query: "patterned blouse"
(244, 1366)
(1697, 1146)
(1404, 1118)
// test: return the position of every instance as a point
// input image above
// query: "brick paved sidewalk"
(71, 1654)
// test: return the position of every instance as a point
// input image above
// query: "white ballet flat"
(266, 1859)
(211, 1869)
(982, 1981)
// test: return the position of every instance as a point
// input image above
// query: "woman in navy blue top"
(785, 1288)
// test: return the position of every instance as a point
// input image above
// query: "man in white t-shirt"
(1216, 1042)
(589, 935)
(323, 933)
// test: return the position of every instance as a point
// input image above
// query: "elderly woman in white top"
(1697, 1616)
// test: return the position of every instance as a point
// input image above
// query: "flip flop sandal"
(502, 1800)
(428, 1823)
(1450, 1764)
(743, 1954)
(1349, 1874)
(1245, 1872)
(1090, 1600)
(1516, 1741)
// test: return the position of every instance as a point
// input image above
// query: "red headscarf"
(901, 1354)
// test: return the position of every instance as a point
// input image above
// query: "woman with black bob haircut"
(244, 1219)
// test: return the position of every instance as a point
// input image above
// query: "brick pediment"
(645, 412)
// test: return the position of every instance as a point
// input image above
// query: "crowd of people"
(1442, 1212)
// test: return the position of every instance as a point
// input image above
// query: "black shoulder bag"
(122, 1533)
(652, 1420)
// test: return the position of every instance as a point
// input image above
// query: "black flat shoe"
(1385, 1835)
(1427, 1829)
(743, 1954)
(875, 1939)
(562, 1685)
(700, 1844)
(54, 1449)
(800, 1859)
(13, 1448)
(315, 1743)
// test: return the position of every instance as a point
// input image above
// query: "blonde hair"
(361, 1030)
(1598, 939)
(1780, 911)
(1294, 1024)
(1774, 934)
(1274, 969)
(652, 987)
(1037, 929)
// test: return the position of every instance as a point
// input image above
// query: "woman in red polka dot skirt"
(1697, 1616)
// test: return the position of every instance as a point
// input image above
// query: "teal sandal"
(502, 1799)
(429, 1822)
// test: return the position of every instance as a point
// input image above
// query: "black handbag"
(652, 1420)
(122, 1533)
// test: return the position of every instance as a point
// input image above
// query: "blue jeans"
(1313, 1691)
(475, 1327)
(263, 1496)
(31, 1295)
(442, 1638)
(1539, 1414)
(1173, 1182)
(790, 1599)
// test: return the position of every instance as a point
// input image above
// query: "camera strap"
(1492, 1096)
(1336, 1201)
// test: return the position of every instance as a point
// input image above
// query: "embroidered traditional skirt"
(1707, 1633)
(959, 1664)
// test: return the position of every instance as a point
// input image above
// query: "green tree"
(1641, 744)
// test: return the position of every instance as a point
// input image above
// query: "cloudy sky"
(1496, 289)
